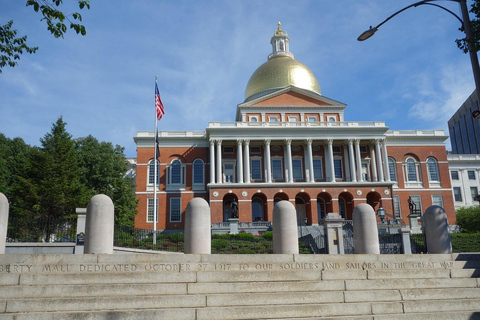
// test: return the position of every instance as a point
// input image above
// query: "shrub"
(268, 235)
(465, 242)
(468, 219)
(218, 244)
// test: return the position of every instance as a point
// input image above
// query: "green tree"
(11, 46)
(104, 169)
(475, 22)
(468, 219)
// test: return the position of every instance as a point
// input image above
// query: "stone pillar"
(288, 151)
(365, 231)
(198, 236)
(246, 163)
(81, 220)
(379, 160)
(212, 162)
(351, 157)
(436, 230)
(99, 225)
(374, 163)
(406, 245)
(330, 160)
(309, 156)
(285, 234)
(4, 207)
(219, 161)
(359, 160)
(385, 160)
(268, 162)
(333, 225)
(239, 161)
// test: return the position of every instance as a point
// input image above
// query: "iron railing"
(23, 229)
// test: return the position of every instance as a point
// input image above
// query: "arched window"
(151, 171)
(393, 169)
(412, 174)
(432, 167)
(257, 209)
(198, 172)
(176, 172)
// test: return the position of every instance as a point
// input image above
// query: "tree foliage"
(63, 174)
(11, 46)
(468, 219)
(463, 44)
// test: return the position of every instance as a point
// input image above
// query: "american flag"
(158, 103)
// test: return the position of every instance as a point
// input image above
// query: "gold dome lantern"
(280, 71)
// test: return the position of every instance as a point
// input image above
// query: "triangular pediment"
(292, 96)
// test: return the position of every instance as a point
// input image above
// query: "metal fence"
(129, 237)
(23, 229)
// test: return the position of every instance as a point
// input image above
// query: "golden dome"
(280, 72)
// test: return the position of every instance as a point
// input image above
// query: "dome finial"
(279, 29)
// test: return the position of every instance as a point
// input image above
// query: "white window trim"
(198, 185)
(170, 209)
(341, 171)
(253, 119)
(148, 173)
(412, 184)
(255, 158)
(433, 183)
(399, 207)
(301, 168)
(273, 119)
(367, 163)
(461, 196)
(321, 168)
(437, 195)
(292, 119)
(281, 167)
(311, 119)
(150, 205)
(176, 186)
(420, 197)
(229, 162)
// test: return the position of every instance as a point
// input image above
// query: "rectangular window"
(474, 192)
(297, 169)
(471, 174)
(255, 149)
(317, 169)
(338, 168)
(150, 210)
(363, 149)
(336, 149)
(256, 168)
(312, 119)
(175, 209)
(454, 175)
(396, 207)
(277, 172)
(273, 119)
(228, 150)
(437, 200)
(457, 194)
(292, 119)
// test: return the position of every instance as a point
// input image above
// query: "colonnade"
(351, 152)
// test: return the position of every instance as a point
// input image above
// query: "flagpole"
(155, 209)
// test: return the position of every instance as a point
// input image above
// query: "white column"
(268, 162)
(379, 160)
(212, 161)
(359, 160)
(288, 151)
(246, 163)
(385, 160)
(374, 163)
(239, 161)
(309, 156)
(351, 157)
(219, 161)
(330, 160)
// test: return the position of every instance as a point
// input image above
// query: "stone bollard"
(99, 225)
(436, 230)
(198, 235)
(3, 222)
(365, 231)
(285, 233)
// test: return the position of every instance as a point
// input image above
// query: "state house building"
(290, 142)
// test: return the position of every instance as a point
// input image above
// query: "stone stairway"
(175, 286)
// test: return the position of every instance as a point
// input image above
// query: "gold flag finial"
(279, 29)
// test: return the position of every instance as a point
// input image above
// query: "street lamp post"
(467, 26)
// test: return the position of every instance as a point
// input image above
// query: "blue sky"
(410, 74)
